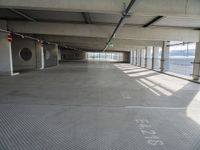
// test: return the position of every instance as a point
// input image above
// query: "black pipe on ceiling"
(124, 15)
(153, 21)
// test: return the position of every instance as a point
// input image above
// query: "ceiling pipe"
(124, 15)
(153, 21)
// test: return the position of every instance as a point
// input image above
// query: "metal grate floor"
(58, 127)
(102, 115)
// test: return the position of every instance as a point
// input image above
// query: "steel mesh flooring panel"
(60, 127)
(98, 106)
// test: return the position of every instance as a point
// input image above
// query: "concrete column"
(145, 57)
(140, 57)
(131, 57)
(156, 61)
(6, 63)
(152, 67)
(164, 66)
(149, 57)
(56, 49)
(196, 69)
(136, 58)
(39, 55)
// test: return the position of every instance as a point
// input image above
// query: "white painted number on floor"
(149, 134)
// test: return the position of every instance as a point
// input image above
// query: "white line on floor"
(167, 108)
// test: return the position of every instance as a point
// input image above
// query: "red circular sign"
(10, 39)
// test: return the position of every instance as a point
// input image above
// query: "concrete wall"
(72, 55)
(42, 55)
(18, 63)
(5, 55)
(50, 55)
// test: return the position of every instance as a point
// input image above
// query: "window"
(106, 56)
(181, 57)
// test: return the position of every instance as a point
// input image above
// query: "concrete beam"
(65, 29)
(196, 68)
(104, 31)
(134, 42)
(142, 7)
(158, 33)
(64, 40)
(99, 41)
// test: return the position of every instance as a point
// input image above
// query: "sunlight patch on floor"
(141, 74)
(170, 83)
(193, 109)
(156, 93)
(157, 87)
(134, 70)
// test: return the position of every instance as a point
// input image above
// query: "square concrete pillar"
(196, 67)
(149, 57)
(138, 57)
(40, 55)
(135, 57)
(145, 57)
(164, 66)
(131, 57)
(6, 63)
(152, 66)
(156, 59)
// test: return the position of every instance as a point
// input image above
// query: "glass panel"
(157, 58)
(149, 57)
(107, 56)
(180, 58)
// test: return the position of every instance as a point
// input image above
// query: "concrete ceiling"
(190, 22)
(180, 17)
(100, 18)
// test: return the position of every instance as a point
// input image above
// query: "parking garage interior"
(100, 75)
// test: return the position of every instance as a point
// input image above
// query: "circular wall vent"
(25, 54)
